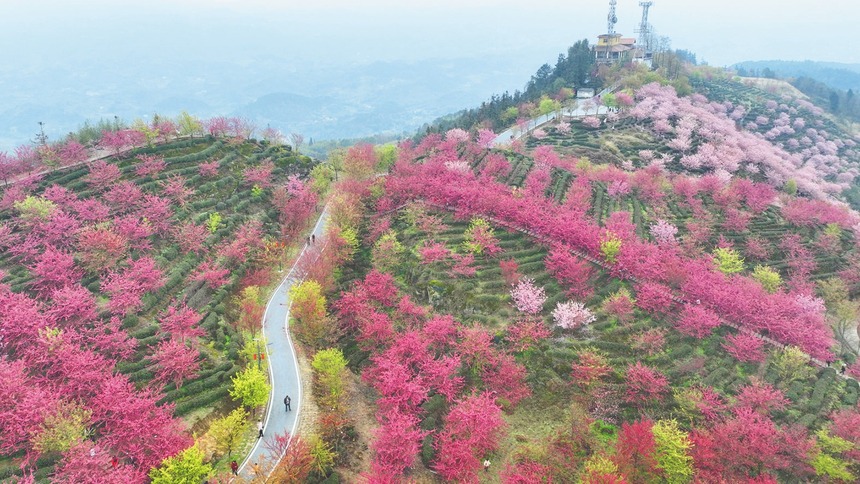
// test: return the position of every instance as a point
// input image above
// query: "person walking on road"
(287, 403)
(235, 468)
(260, 428)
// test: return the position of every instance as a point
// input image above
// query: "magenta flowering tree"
(527, 297)
(150, 165)
(175, 362)
(260, 175)
(697, 321)
(175, 189)
(618, 188)
(745, 347)
(432, 252)
(180, 322)
(644, 384)
(485, 138)
(473, 428)
(191, 237)
(571, 272)
(212, 274)
(209, 169)
(102, 174)
(572, 315)
(72, 153)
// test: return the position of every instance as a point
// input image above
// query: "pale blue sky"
(722, 32)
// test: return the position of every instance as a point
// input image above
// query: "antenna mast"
(644, 29)
(611, 19)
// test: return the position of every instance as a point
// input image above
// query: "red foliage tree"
(589, 368)
(260, 175)
(54, 269)
(102, 174)
(72, 305)
(212, 274)
(635, 452)
(23, 405)
(123, 196)
(644, 385)
(747, 445)
(654, 298)
(190, 237)
(149, 165)
(89, 463)
(472, 429)
(525, 333)
(697, 321)
(432, 252)
(295, 203)
(209, 169)
(510, 272)
(157, 211)
(175, 362)
(760, 397)
(101, 248)
(132, 424)
(745, 347)
(180, 322)
(571, 272)
(175, 189)
(396, 445)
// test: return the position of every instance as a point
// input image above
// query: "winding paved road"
(283, 364)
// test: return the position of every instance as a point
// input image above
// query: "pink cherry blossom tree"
(527, 297)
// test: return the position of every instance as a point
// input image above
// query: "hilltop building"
(612, 47)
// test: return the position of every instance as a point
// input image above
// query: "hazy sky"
(721, 32)
(65, 61)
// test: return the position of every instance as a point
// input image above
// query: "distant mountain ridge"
(834, 74)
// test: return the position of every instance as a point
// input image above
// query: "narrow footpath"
(281, 356)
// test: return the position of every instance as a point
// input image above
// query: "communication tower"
(644, 29)
(611, 19)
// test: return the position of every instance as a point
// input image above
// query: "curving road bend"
(281, 356)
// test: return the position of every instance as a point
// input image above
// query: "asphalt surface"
(281, 356)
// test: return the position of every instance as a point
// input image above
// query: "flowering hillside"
(676, 307)
(121, 323)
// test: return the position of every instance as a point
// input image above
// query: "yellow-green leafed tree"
(769, 279)
(728, 260)
(673, 451)
(251, 387)
(35, 208)
(229, 430)
(63, 429)
(329, 366)
(825, 458)
(610, 245)
(792, 364)
(186, 467)
(386, 252)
